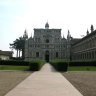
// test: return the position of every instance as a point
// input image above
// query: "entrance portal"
(47, 56)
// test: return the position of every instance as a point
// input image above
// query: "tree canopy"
(18, 45)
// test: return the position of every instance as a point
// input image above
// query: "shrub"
(14, 62)
(36, 65)
(33, 65)
(83, 63)
(60, 65)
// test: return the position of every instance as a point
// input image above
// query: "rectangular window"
(56, 54)
(37, 54)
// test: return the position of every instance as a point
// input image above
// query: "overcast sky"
(18, 15)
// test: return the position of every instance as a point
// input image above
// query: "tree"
(18, 45)
(22, 46)
(14, 45)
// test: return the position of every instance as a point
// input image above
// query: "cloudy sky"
(18, 15)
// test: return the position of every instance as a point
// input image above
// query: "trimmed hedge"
(60, 65)
(35, 65)
(10, 67)
(14, 62)
(63, 66)
(83, 63)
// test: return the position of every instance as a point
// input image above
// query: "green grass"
(10, 67)
(82, 68)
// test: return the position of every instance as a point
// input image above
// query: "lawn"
(10, 67)
(82, 68)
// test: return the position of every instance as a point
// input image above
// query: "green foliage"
(74, 66)
(36, 65)
(83, 63)
(14, 62)
(10, 67)
(11, 64)
(60, 65)
(16, 65)
(82, 68)
(55, 61)
(18, 45)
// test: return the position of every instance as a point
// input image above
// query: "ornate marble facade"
(46, 44)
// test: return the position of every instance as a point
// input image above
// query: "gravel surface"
(85, 82)
(9, 79)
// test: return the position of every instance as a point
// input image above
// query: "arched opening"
(47, 56)
(47, 40)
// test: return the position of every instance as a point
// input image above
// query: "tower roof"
(47, 26)
(25, 35)
(92, 28)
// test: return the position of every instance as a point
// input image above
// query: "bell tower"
(92, 28)
(25, 36)
(47, 26)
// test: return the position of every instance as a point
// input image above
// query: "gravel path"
(9, 79)
(85, 82)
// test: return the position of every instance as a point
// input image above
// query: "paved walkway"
(46, 82)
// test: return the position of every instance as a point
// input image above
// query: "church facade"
(47, 44)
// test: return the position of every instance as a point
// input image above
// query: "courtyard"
(85, 82)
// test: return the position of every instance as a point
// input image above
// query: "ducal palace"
(48, 44)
